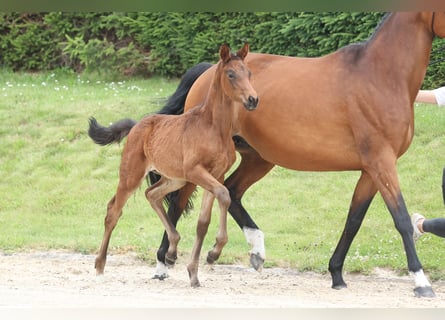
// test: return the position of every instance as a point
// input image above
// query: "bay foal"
(193, 148)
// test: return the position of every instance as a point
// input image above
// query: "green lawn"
(55, 184)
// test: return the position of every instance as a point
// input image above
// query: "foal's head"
(235, 77)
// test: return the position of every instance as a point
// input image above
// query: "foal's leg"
(251, 169)
(175, 210)
(363, 195)
(221, 236)
(201, 231)
(127, 185)
(201, 177)
(155, 195)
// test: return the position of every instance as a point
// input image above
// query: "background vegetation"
(168, 43)
(58, 69)
(55, 184)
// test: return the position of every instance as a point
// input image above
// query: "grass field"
(55, 184)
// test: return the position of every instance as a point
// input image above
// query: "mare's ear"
(224, 52)
(242, 53)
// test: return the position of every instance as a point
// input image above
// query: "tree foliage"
(168, 43)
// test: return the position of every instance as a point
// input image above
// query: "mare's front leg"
(365, 191)
(251, 169)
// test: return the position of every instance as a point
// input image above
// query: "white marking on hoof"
(161, 271)
(255, 238)
(420, 279)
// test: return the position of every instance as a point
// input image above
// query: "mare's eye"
(231, 74)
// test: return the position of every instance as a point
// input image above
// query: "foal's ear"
(242, 53)
(224, 53)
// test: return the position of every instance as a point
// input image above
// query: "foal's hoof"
(211, 258)
(195, 284)
(99, 272)
(170, 261)
(99, 266)
(256, 261)
(424, 292)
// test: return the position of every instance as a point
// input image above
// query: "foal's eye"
(231, 75)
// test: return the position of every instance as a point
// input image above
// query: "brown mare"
(195, 147)
(348, 110)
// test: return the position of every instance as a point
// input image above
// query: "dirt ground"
(63, 279)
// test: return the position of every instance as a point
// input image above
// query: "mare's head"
(235, 77)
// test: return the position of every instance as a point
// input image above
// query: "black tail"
(175, 105)
(114, 133)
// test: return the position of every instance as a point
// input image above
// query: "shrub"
(168, 43)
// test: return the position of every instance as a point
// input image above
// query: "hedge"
(168, 43)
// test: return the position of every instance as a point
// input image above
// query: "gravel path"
(62, 279)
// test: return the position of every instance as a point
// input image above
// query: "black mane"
(175, 103)
(354, 51)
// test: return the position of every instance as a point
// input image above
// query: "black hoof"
(339, 286)
(256, 261)
(426, 292)
(160, 276)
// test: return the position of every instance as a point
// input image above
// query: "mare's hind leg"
(127, 185)
(155, 195)
(384, 180)
(387, 182)
(251, 169)
(363, 195)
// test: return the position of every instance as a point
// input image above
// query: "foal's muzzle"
(251, 103)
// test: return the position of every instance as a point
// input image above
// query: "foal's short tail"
(114, 133)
